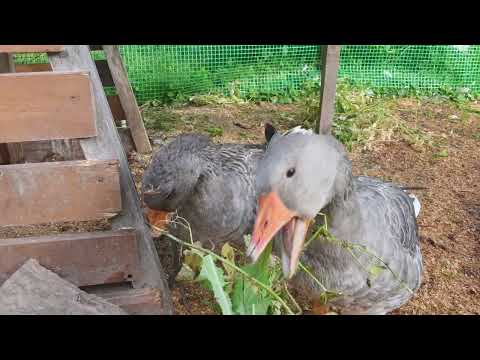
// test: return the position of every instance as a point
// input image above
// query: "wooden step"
(83, 259)
(59, 191)
(105, 77)
(143, 301)
(31, 48)
(46, 106)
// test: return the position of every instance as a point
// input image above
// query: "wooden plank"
(34, 290)
(144, 301)
(127, 99)
(30, 48)
(105, 76)
(59, 191)
(54, 149)
(6, 64)
(84, 259)
(107, 145)
(330, 63)
(66, 150)
(45, 106)
(41, 151)
(102, 67)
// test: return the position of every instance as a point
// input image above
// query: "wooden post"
(107, 146)
(127, 99)
(13, 150)
(329, 62)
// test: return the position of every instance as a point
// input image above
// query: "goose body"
(303, 174)
(212, 186)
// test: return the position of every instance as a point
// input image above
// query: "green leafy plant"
(251, 289)
(215, 131)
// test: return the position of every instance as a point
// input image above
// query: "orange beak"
(158, 220)
(272, 216)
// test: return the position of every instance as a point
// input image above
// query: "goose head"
(297, 177)
(173, 172)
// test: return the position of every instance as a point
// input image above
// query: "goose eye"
(290, 172)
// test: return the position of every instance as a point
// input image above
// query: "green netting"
(158, 71)
(165, 71)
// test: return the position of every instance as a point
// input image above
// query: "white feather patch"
(298, 130)
(416, 204)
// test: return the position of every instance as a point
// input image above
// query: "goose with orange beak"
(303, 173)
(289, 197)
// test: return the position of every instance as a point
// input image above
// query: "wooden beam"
(45, 106)
(59, 191)
(84, 259)
(127, 99)
(34, 290)
(330, 61)
(102, 67)
(30, 48)
(65, 150)
(107, 145)
(145, 301)
(60, 150)
(6, 64)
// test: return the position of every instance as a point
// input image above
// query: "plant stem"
(225, 261)
(312, 276)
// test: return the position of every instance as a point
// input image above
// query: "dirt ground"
(449, 168)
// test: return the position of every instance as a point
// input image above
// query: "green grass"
(362, 116)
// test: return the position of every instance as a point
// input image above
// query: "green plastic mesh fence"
(163, 72)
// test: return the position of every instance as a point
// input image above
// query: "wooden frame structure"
(121, 265)
(123, 106)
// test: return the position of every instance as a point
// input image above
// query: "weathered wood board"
(84, 259)
(46, 106)
(34, 290)
(127, 99)
(30, 48)
(59, 191)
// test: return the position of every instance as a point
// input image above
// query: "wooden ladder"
(69, 103)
